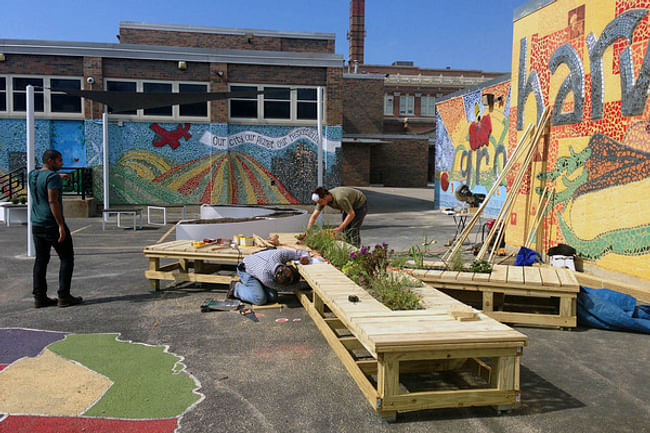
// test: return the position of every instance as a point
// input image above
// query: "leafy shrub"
(368, 268)
(481, 266)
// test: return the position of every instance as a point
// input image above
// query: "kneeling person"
(263, 273)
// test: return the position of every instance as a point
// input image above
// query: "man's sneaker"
(231, 290)
(46, 302)
(69, 300)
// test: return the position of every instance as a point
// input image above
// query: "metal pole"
(30, 164)
(105, 151)
(319, 103)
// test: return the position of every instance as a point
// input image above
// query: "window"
(244, 108)
(20, 94)
(157, 88)
(196, 111)
(274, 103)
(199, 109)
(3, 94)
(49, 98)
(406, 104)
(61, 102)
(388, 105)
(307, 104)
(121, 86)
(277, 103)
(427, 106)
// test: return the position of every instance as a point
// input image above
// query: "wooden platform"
(388, 352)
(547, 295)
(188, 263)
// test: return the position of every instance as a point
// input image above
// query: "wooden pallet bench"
(387, 352)
(188, 263)
(515, 294)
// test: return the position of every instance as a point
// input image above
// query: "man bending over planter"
(353, 206)
(263, 273)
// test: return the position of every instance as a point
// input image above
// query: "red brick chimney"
(357, 33)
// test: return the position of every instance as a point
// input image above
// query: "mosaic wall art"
(470, 145)
(594, 69)
(187, 163)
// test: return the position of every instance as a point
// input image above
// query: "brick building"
(238, 150)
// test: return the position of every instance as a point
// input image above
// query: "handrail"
(12, 184)
(80, 182)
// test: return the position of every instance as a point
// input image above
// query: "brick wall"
(223, 41)
(155, 70)
(355, 170)
(334, 96)
(93, 68)
(42, 65)
(402, 163)
(293, 75)
(363, 106)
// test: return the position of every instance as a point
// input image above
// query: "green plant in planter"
(23, 200)
(15, 200)
(481, 266)
(392, 290)
(419, 252)
(456, 262)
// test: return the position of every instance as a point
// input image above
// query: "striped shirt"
(262, 266)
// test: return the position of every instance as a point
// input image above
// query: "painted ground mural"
(471, 138)
(56, 381)
(589, 62)
(187, 163)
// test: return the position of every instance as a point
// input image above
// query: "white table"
(10, 208)
(136, 213)
(163, 208)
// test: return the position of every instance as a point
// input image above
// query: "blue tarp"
(607, 309)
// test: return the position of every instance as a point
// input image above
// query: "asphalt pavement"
(282, 376)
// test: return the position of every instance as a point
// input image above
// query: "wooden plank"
(640, 292)
(516, 275)
(567, 278)
(499, 274)
(182, 276)
(549, 276)
(441, 399)
(532, 276)
(534, 318)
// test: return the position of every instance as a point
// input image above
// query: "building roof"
(225, 30)
(155, 52)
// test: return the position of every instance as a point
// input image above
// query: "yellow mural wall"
(586, 61)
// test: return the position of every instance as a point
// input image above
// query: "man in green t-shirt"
(49, 230)
(353, 206)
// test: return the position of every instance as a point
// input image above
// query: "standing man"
(353, 206)
(263, 273)
(49, 230)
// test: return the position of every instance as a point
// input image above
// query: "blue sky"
(463, 34)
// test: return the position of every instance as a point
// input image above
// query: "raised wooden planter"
(391, 354)
(515, 294)
(188, 263)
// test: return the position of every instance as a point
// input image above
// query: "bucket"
(246, 241)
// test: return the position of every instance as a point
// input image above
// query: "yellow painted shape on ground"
(49, 385)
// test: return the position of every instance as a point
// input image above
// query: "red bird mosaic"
(164, 137)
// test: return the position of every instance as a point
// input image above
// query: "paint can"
(236, 239)
(246, 241)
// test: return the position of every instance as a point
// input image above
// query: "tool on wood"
(212, 304)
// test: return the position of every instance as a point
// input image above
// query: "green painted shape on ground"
(147, 382)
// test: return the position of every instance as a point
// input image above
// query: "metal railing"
(80, 182)
(13, 184)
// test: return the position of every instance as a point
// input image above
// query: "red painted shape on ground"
(3, 366)
(54, 424)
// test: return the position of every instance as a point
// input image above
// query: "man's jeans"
(44, 239)
(351, 232)
(250, 289)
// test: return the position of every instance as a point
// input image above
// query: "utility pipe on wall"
(319, 111)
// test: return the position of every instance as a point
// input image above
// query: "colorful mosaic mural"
(589, 62)
(471, 135)
(188, 163)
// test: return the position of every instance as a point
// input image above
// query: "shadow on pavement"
(381, 202)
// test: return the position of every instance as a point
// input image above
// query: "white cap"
(315, 197)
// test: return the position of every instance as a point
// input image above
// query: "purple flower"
(353, 255)
(384, 244)
(364, 249)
